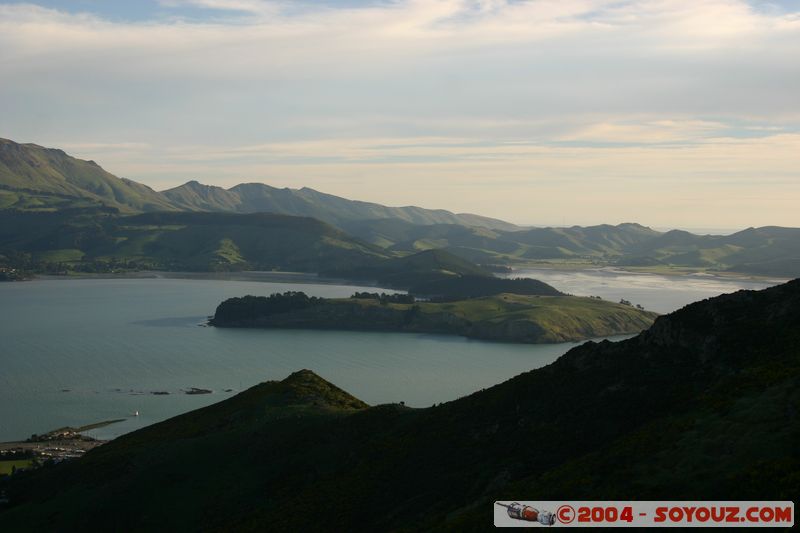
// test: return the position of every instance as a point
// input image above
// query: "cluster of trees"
(623, 301)
(384, 298)
(249, 307)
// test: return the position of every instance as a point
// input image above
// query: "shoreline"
(57, 444)
(305, 278)
(310, 278)
(676, 272)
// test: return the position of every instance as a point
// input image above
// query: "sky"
(670, 113)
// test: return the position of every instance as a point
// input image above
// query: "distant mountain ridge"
(769, 251)
(36, 179)
(35, 170)
(259, 197)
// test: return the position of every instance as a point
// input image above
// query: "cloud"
(246, 6)
(653, 131)
(416, 96)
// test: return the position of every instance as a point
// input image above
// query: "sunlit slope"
(34, 177)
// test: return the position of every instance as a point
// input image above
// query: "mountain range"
(45, 182)
(54, 178)
(258, 197)
(702, 406)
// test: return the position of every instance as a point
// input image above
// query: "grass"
(61, 256)
(7, 199)
(6, 467)
(229, 252)
(560, 317)
(504, 306)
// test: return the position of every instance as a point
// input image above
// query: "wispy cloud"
(253, 8)
(461, 95)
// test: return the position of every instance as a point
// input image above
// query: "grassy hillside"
(34, 178)
(703, 405)
(504, 317)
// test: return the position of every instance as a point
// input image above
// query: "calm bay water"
(75, 352)
(662, 294)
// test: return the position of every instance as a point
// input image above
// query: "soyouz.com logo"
(644, 514)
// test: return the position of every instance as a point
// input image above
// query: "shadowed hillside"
(423, 268)
(83, 240)
(703, 405)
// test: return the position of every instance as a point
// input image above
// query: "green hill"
(36, 178)
(702, 406)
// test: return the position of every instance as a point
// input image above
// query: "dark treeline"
(248, 307)
(460, 287)
(384, 298)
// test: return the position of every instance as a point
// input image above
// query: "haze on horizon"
(670, 113)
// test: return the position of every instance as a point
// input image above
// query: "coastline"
(247, 275)
(314, 278)
(670, 272)
(57, 444)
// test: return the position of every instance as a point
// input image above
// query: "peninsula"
(502, 317)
